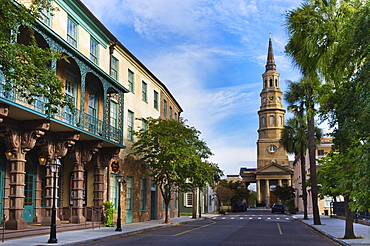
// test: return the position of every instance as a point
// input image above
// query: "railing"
(79, 119)
(96, 214)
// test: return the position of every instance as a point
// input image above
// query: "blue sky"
(210, 54)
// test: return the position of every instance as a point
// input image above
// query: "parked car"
(277, 208)
(239, 207)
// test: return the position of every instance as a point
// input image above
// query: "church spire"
(270, 65)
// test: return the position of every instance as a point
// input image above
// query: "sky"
(211, 55)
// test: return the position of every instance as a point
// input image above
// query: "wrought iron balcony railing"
(79, 119)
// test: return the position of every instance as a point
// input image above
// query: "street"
(254, 227)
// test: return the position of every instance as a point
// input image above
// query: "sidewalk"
(334, 229)
(331, 227)
(78, 237)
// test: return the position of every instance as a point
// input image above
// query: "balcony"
(78, 121)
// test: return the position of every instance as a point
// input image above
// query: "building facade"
(324, 204)
(110, 88)
(272, 160)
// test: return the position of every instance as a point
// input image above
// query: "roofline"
(114, 39)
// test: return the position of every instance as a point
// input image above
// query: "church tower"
(272, 159)
(271, 117)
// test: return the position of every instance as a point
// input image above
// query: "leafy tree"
(24, 66)
(239, 193)
(285, 194)
(175, 157)
(326, 41)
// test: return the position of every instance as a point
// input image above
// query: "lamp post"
(120, 180)
(54, 168)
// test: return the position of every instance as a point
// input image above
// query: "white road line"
(268, 218)
(277, 218)
(250, 218)
(214, 218)
(232, 218)
(287, 218)
(259, 218)
(223, 218)
(241, 218)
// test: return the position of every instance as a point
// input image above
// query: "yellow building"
(110, 88)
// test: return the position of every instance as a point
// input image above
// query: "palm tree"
(321, 45)
(294, 140)
(301, 97)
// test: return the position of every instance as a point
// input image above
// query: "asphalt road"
(254, 227)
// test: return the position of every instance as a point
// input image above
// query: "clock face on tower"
(271, 98)
(272, 149)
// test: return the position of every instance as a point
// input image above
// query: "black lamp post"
(54, 168)
(120, 180)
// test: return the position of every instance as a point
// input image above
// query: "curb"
(124, 234)
(325, 234)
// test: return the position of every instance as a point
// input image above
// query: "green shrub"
(108, 213)
(222, 211)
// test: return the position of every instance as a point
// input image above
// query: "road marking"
(259, 218)
(287, 218)
(241, 218)
(223, 218)
(250, 218)
(277, 218)
(278, 225)
(268, 218)
(214, 218)
(232, 218)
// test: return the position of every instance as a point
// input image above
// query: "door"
(153, 201)
(129, 186)
(29, 198)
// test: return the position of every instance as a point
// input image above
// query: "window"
(94, 50)
(45, 15)
(175, 116)
(144, 91)
(176, 200)
(272, 149)
(143, 125)
(164, 107)
(113, 190)
(272, 120)
(131, 80)
(130, 126)
(281, 120)
(113, 113)
(114, 67)
(93, 111)
(70, 90)
(170, 113)
(263, 121)
(320, 152)
(155, 100)
(72, 32)
(142, 194)
(188, 199)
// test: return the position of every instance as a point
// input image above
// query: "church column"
(280, 182)
(18, 142)
(259, 196)
(267, 192)
(289, 182)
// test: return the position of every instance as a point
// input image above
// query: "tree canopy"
(25, 67)
(175, 156)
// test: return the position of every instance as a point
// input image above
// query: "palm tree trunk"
(304, 186)
(312, 156)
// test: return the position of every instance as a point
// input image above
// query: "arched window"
(270, 82)
(265, 83)
(263, 121)
(276, 83)
(281, 120)
(272, 120)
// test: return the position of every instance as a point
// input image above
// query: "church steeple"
(270, 65)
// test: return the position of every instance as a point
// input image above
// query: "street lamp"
(54, 168)
(120, 180)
